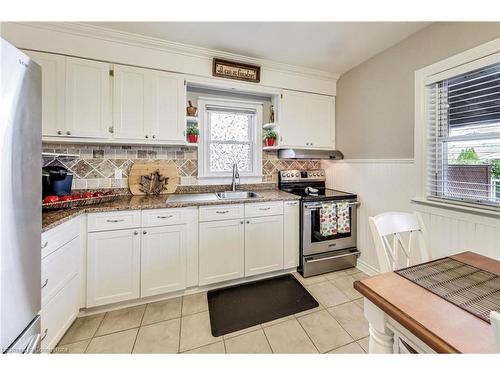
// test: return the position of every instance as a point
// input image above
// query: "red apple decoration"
(87, 195)
(66, 198)
(76, 196)
(98, 194)
(108, 193)
(51, 199)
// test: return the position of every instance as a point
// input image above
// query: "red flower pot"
(192, 138)
(270, 142)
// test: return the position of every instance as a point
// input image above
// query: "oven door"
(313, 242)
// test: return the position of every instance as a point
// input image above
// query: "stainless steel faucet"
(236, 175)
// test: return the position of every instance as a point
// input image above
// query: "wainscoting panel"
(390, 185)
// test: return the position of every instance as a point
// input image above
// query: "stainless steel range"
(327, 224)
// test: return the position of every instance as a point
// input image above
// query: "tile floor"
(182, 325)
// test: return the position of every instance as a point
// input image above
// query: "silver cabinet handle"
(114, 220)
(154, 136)
(45, 283)
(45, 244)
(332, 257)
(136, 233)
(147, 136)
(221, 212)
(291, 203)
(44, 334)
(144, 232)
(68, 132)
(59, 132)
(264, 208)
(248, 221)
(164, 217)
(241, 222)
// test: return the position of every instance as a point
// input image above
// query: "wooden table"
(398, 309)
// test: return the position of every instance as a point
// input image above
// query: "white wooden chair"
(396, 234)
(495, 325)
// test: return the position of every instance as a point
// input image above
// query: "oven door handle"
(314, 260)
(316, 205)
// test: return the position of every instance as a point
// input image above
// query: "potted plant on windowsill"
(192, 134)
(270, 137)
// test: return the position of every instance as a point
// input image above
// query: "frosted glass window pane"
(222, 157)
(229, 127)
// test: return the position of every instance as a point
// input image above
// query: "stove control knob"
(297, 174)
(288, 174)
(322, 173)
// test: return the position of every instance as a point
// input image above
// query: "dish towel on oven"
(343, 218)
(328, 219)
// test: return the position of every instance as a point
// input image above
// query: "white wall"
(389, 185)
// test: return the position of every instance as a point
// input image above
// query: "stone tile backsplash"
(95, 165)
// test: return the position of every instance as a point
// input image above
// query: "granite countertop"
(51, 219)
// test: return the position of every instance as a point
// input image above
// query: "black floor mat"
(245, 305)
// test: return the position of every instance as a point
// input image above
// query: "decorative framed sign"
(234, 70)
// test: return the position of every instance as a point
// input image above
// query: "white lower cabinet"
(59, 313)
(263, 244)
(113, 266)
(163, 259)
(221, 251)
(291, 235)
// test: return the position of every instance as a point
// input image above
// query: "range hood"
(294, 153)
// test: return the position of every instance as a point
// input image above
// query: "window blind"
(463, 114)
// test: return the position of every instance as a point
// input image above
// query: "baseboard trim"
(366, 268)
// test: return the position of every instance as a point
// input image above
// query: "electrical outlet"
(118, 173)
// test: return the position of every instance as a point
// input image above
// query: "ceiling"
(334, 47)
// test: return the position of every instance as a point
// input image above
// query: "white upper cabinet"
(88, 104)
(131, 91)
(53, 92)
(168, 107)
(148, 105)
(307, 120)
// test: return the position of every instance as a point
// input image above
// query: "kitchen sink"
(237, 195)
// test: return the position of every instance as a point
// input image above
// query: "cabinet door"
(291, 229)
(321, 115)
(53, 91)
(307, 120)
(131, 94)
(263, 245)
(168, 107)
(221, 251)
(163, 259)
(113, 266)
(88, 104)
(294, 125)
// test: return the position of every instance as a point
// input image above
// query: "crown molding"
(122, 37)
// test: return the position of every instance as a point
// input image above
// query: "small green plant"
(192, 130)
(270, 134)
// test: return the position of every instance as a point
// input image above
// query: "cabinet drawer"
(263, 209)
(59, 268)
(58, 315)
(155, 218)
(222, 212)
(99, 222)
(54, 238)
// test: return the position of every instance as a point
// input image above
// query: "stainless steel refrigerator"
(20, 201)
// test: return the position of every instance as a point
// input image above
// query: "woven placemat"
(470, 288)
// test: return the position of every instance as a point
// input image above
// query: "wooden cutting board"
(143, 168)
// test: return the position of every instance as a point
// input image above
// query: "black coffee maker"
(56, 180)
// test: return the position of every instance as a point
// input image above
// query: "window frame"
(255, 141)
(483, 55)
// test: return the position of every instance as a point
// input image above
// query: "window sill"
(460, 207)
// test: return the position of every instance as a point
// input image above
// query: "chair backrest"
(395, 235)
(495, 325)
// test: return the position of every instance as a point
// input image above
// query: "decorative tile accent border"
(95, 166)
